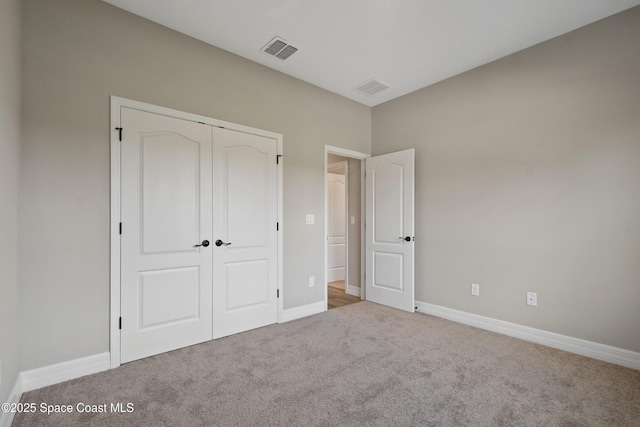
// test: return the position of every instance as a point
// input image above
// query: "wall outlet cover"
(532, 299)
(311, 219)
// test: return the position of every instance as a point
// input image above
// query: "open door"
(390, 230)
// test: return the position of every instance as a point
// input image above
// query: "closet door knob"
(221, 243)
(204, 243)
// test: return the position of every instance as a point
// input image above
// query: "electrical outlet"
(353, 220)
(311, 219)
(532, 299)
(312, 281)
(475, 290)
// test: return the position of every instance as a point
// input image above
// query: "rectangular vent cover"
(371, 87)
(279, 48)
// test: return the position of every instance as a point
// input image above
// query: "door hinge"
(278, 293)
(278, 158)
(120, 228)
(119, 134)
(120, 323)
(277, 226)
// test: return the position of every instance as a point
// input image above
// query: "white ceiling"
(407, 44)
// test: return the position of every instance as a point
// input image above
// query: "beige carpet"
(362, 364)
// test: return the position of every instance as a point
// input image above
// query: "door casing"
(116, 104)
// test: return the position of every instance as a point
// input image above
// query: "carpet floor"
(358, 365)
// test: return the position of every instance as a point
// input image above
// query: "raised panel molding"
(606, 353)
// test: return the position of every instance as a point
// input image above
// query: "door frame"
(330, 149)
(115, 203)
(344, 165)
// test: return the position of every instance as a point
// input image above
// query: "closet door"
(167, 217)
(245, 234)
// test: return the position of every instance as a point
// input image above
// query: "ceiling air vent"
(279, 48)
(371, 87)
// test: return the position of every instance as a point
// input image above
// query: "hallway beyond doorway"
(337, 297)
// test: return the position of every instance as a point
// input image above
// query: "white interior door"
(166, 198)
(336, 238)
(245, 262)
(390, 230)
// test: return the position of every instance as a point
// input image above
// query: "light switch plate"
(311, 219)
(475, 290)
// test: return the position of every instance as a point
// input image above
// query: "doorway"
(387, 248)
(344, 226)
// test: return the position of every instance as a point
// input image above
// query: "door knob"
(221, 243)
(408, 239)
(204, 243)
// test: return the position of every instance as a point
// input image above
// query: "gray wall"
(76, 54)
(354, 210)
(9, 161)
(528, 179)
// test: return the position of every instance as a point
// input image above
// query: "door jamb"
(114, 281)
(330, 149)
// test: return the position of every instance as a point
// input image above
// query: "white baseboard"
(335, 274)
(303, 311)
(606, 353)
(65, 371)
(353, 290)
(6, 418)
(53, 374)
